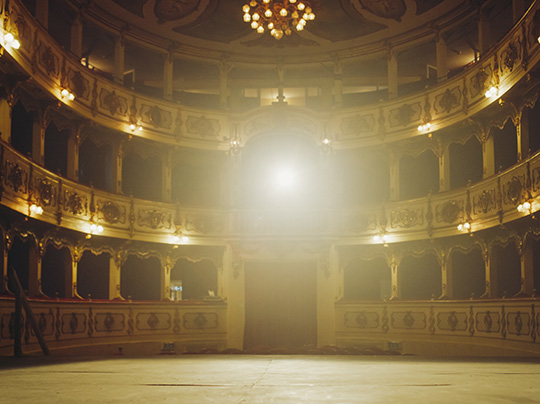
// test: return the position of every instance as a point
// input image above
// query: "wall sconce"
(383, 239)
(66, 94)
(135, 127)
(492, 92)
(525, 207)
(425, 127)
(10, 40)
(94, 229)
(179, 239)
(34, 209)
(465, 227)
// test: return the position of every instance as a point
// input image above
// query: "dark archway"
(93, 275)
(469, 274)
(505, 146)
(418, 176)
(96, 165)
(196, 280)
(420, 278)
(465, 163)
(367, 280)
(56, 149)
(140, 278)
(56, 267)
(22, 127)
(141, 177)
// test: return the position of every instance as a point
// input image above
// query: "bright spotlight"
(285, 178)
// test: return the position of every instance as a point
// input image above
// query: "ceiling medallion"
(278, 16)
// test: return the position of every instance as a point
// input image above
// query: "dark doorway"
(281, 305)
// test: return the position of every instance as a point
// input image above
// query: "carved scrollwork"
(75, 203)
(513, 190)
(156, 116)
(448, 100)
(49, 61)
(508, 58)
(112, 212)
(154, 219)
(357, 124)
(449, 212)
(16, 178)
(78, 84)
(406, 218)
(45, 194)
(113, 103)
(405, 115)
(202, 126)
(479, 82)
(484, 202)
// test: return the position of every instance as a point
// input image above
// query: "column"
(330, 286)
(394, 176)
(234, 294)
(73, 156)
(442, 56)
(166, 279)
(338, 84)
(396, 286)
(518, 9)
(392, 73)
(444, 170)
(71, 276)
(224, 70)
(5, 279)
(5, 120)
(166, 177)
(168, 70)
(484, 39)
(527, 269)
(118, 151)
(488, 157)
(115, 266)
(492, 267)
(35, 257)
(523, 134)
(38, 141)
(119, 56)
(42, 13)
(76, 36)
(446, 276)
(281, 75)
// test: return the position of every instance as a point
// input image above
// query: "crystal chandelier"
(278, 16)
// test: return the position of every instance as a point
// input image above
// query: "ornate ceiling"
(215, 27)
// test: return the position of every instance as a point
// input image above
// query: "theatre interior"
(264, 176)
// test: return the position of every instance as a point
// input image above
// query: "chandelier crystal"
(278, 16)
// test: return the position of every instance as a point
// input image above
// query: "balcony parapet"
(117, 107)
(489, 203)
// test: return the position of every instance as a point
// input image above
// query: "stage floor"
(268, 379)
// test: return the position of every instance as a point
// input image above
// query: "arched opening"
(193, 280)
(56, 149)
(506, 264)
(505, 146)
(141, 177)
(56, 272)
(22, 127)
(19, 257)
(93, 275)
(536, 265)
(469, 274)
(532, 115)
(418, 176)
(95, 165)
(281, 171)
(420, 277)
(367, 280)
(140, 278)
(465, 163)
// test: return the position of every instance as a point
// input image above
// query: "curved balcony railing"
(116, 107)
(489, 203)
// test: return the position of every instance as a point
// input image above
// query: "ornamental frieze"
(449, 212)
(405, 115)
(488, 321)
(75, 203)
(45, 192)
(448, 100)
(73, 323)
(108, 322)
(408, 320)
(390, 9)
(509, 58)
(452, 321)
(484, 202)
(358, 124)
(202, 126)
(204, 224)
(479, 81)
(153, 321)
(154, 219)
(512, 191)
(111, 212)
(78, 84)
(48, 60)
(156, 116)
(406, 218)
(112, 102)
(200, 321)
(518, 323)
(16, 178)
(535, 174)
(363, 320)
